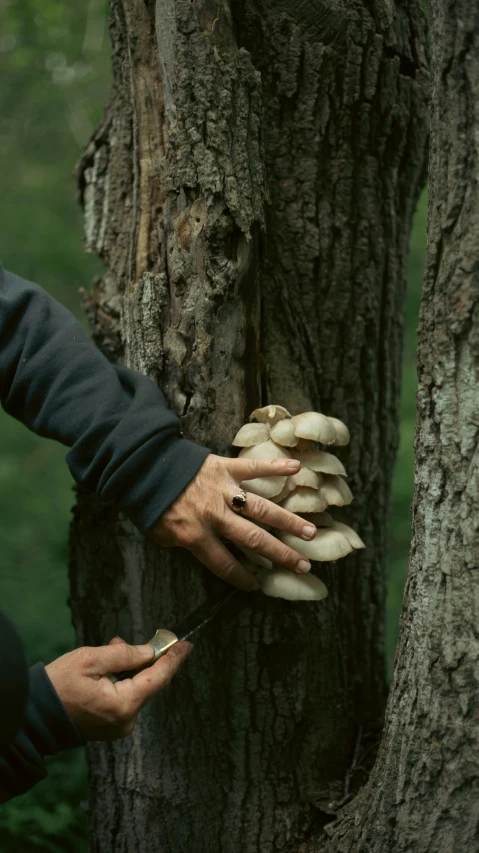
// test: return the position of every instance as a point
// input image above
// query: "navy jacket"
(125, 445)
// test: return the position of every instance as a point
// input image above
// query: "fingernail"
(309, 532)
(146, 649)
(303, 566)
(293, 463)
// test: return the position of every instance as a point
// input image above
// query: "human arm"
(125, 443)
(72, 701)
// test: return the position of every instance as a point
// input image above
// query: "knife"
(165, 639)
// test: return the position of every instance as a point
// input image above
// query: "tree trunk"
(422, 796)
(251, 192)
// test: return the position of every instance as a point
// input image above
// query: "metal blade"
(201, 616)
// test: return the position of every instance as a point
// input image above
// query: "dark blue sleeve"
(125, 443)
(46, 729)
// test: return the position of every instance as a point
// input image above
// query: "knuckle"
(254, 538)
(287, 556)
(189, 537)
(261, 510)
(86, 657)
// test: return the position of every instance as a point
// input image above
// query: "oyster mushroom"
(283, 433)
(328, 544)
(335, 491)
(306, 477)
(265, 450)
(251, 434)
(304, 499)
(342, 432)
(319, 460)
(269, 414)
(350, 535)
(265, 487)
(280, 583)
(315, 427)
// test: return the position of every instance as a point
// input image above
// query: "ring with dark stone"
(239, 501)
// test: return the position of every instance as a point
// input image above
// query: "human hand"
(203, 514)
(100, 709)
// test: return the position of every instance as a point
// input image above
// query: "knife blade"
(165, 639)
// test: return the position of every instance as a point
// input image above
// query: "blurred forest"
(54, 81)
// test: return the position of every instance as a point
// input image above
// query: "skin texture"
(202, 516)
(100, 709)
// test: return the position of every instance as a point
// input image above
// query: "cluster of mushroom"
(274, 433)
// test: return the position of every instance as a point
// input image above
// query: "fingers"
(271, 514)
(243, 532)
(118, 656)
(222, 563)
(157, 677)
(249, 469)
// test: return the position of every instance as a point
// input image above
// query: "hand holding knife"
(165, 639)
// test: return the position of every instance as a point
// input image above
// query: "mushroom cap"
(335, 491)
(269, 414)
(328, 544)
(306, 477)
(304, 499)
(265, 450)
(350, 535)
(251, 434)
(319, 460)
(287, 488)
(280, 583)
(342, 432)
(314, 426)
(265, 487)
(283, 433)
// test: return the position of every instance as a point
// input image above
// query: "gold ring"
(239, 501)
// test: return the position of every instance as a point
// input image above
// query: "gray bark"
(422, 796)
(251, 192)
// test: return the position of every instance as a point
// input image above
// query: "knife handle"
(161, 642)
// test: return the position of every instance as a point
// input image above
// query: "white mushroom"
(283, 433)
(265, 487)
(319, 460)
(280, 583)
(265, 450)
(304, 499)
(335, 491)
(288, 487)
(314, 426)
(328, 544)
(350, 535)
(342, 432)
(306, 477)
(269, 414)
(251, 434)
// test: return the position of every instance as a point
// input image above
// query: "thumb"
(119, 655)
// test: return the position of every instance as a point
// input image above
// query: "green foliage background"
(54, 80)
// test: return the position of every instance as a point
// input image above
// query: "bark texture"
(422, 796)
(251, 191)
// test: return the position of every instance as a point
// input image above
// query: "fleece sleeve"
(125, 443)
(46, 729)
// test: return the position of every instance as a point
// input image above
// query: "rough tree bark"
(250, 191)
(422, 796)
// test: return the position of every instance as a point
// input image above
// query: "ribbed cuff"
(160, 477)
(49, 724)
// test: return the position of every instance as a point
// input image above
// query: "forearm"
(46, 729)
(125, 443)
